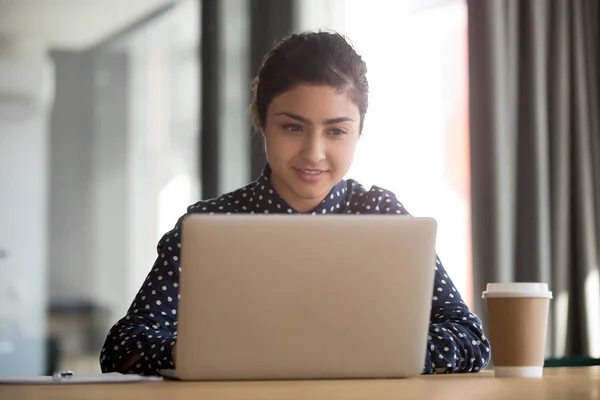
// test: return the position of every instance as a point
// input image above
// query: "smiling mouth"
(310, 171)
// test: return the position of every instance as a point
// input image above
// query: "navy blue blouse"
(455, 341)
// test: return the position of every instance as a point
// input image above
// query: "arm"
(142, 341)
(456, 340)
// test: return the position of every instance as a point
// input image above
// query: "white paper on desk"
(111, 377)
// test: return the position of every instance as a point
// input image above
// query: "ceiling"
(70, 24)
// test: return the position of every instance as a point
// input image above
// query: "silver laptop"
(304, 297)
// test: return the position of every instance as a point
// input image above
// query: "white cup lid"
(517, 289)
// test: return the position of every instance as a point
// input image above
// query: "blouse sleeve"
(456, 342)
(149, 328)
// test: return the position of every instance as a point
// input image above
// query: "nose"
(313, 149)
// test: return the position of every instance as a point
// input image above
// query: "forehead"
(315, 102)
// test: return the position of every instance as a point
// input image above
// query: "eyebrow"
(300, 118)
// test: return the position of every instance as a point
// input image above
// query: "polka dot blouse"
(456, 342)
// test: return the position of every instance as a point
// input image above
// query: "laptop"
(303, 297)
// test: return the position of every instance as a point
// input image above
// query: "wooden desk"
(557, 383)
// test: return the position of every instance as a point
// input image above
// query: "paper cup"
(517, 325)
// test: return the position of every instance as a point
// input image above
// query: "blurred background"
(116, 115)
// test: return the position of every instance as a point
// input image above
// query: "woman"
(309, 102)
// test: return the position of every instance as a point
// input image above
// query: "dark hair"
(319, 58)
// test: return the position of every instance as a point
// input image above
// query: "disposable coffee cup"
(517, 317)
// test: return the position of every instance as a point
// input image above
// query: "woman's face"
(310, 137)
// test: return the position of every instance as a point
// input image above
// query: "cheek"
(278, 149)
(343, 153)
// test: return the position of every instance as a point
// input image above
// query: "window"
(416, 139)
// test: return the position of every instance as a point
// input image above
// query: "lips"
(311, 171)
(310, 174)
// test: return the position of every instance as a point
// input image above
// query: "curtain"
(534, 69)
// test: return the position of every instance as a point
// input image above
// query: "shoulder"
(226, 203)
(375, 200)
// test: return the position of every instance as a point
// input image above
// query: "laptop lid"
(303, 297)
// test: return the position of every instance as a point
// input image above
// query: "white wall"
(23, 216)
(415, 138)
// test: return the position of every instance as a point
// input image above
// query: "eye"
(338, 132)
(292, 127)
